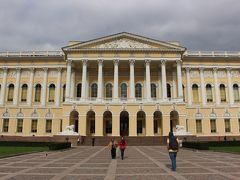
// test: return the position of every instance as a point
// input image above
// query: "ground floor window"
(5, 125)
(213, 125)
(139, 126)
(92, 126)
(199, 126)
(48, 126)
(19, 125)
(34, 125)
(227, 125)
(108, 126)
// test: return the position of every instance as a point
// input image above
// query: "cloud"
(50, 24)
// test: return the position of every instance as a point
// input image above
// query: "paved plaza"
(145, 163)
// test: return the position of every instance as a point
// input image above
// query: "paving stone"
(140, 171)
(83, 177)
(145, 177)
(89, 171)
(192, 170)
(10, 169)
(46, 170)
(31, 177)
(205, 177)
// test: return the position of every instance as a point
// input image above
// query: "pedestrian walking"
(93, 141)
(112, 146)
(78, 140)
(122, 145)
(173, 146)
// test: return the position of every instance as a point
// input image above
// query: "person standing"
(122, 145)
(112, 146)
(173, 145)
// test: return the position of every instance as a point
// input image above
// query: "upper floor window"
(138, 90)
(38, 93)
(51, 93)
(24, 93)
(108, 90)
(10, 92)
(183, 89)
(79, 90)
(153, 90)
(94, 90)
(236, 93)
(209, 93)
(195, 93)
(223, 93)
(123, 90)
(169, 91)
(64, 92)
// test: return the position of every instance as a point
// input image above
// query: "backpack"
(174, 144)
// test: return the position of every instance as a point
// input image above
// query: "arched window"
(223, 93)
(195, 93)
(209, 93)
(123, 90)
(168, 90)
(236, 93)
(153, 90)
(108, 90)
(138, 90)
(79, 90)
(38, 93)
(94, 90)
(51, 93)
(183, 90)
(24, 93)
(64, 92)
(10, 92)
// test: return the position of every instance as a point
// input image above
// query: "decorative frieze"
(235, 73)
(39, 73)
(208, 73)
(221, 74)
(194, 73)
(53, 73)
(11, 74)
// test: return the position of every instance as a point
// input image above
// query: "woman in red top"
(122, 145)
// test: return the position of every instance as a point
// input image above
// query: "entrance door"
(124, 123)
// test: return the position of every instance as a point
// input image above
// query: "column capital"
(59, 69)
(45, 69)
(201, 69)
(31, 69)
(187, 69)
(179, 61)
(69, 61)
(100, 61)
(132, 61)
(229, 69)
(84, 62)
(215, 69)
(4, 69)
(18, 69)
(163, 61)
(147, 61)
(115, 61)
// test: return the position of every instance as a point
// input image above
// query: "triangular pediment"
(124, 41)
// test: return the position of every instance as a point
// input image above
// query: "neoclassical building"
(122, 84)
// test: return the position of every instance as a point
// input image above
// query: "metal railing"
(31, 54)
(212, 53)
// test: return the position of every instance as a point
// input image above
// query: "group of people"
(117, 147)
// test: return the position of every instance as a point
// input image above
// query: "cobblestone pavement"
(140, 163)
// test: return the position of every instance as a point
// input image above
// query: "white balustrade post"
(16, 89)
(44, 89)
(148, 78)
(164, 79)
(132, 80)
(30, 89)
(68, 79)
(230, 88)
(216, 87)
(179, 79)
(84, 79)
(58, 96)
(115, 84)
(203, 89)
(4, 84)
(189, 92)
(100, 80)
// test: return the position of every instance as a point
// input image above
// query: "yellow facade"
(123, 84)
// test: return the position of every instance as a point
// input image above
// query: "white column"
(203, 89)
(68, 80)
(16, 89)
(230, 88)
(174, 84)
(58, 95)
(72, 85)
(189, 89)
(115, 84)
(132, 80)
(100, 79)
(44, 88)
(148, 78)
(30, 88)
(164, 79)
(179, 79)
(3, 88)
(216, 87)
(84, 79)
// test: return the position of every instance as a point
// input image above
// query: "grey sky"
(50, 24)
